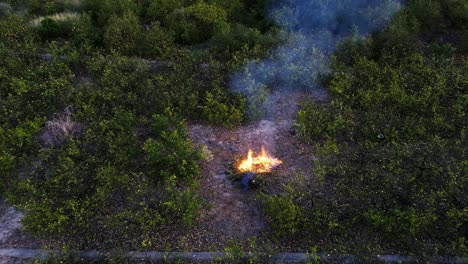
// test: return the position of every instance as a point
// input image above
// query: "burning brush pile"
(250, 166)
(262, 163)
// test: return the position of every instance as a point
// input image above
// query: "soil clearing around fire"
(231, 214)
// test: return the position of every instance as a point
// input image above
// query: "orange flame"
(261, 163)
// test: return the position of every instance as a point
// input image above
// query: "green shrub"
(231, 38)
(285, 216)
(400, 38)
(196, 23)
(160, 9)
(312, 122)
(15, 31)
(249, 13)
(158, 42)
(66, 25)
(428, 13)
(463, 44)
(123, 34)
(45, 7)
(83, 32)
(457, 12)
(124, 83)
(171, 154)
(93, 187)
(219, 111)
(7, 168)
(50, 29)
(102, 10)
(383, 143)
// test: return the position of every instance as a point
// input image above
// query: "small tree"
(158, 41)
(196, 23)
(171, 154)
(123, 34)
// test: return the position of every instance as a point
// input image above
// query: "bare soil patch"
(232, 214)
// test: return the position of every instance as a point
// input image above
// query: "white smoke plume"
(315, 27)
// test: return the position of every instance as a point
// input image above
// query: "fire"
(258, 164)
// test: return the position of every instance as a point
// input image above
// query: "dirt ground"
(230, 214)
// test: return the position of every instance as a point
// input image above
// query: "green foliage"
(236, 252)
(102, 10)
(45, 7)
(285, 215)
(15, 32)
(171, 154)
(234, 38)
(249, 13)
(428, 13)
(123, 34)
(83, 32)
(124, 83)
(158, 42)
(91, 193)
(160, 9)
(49, 28)
(219, 111)
(87, 147)
(391, 143)
(318, 121)
(457, 12)
(196, 23)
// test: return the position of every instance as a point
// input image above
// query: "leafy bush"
(15, 32)
(123, 34)
(90, 193)
(102, 178)
(196, 23)
(428, 13)
(231, 38)
(77, 27)
(219, 111)
(123, 83)
(457, 12)
(400, 38)
(158, 42)
(50, 28)
(171, 154)
(390, 122)
(285, 215)
(45, 7)
(249, 13)
(160, 9)
(102, 10)
(83, 32)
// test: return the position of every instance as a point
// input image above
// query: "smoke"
(315, 28)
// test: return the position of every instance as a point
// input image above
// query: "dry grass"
(60, 128)
(58, 17)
